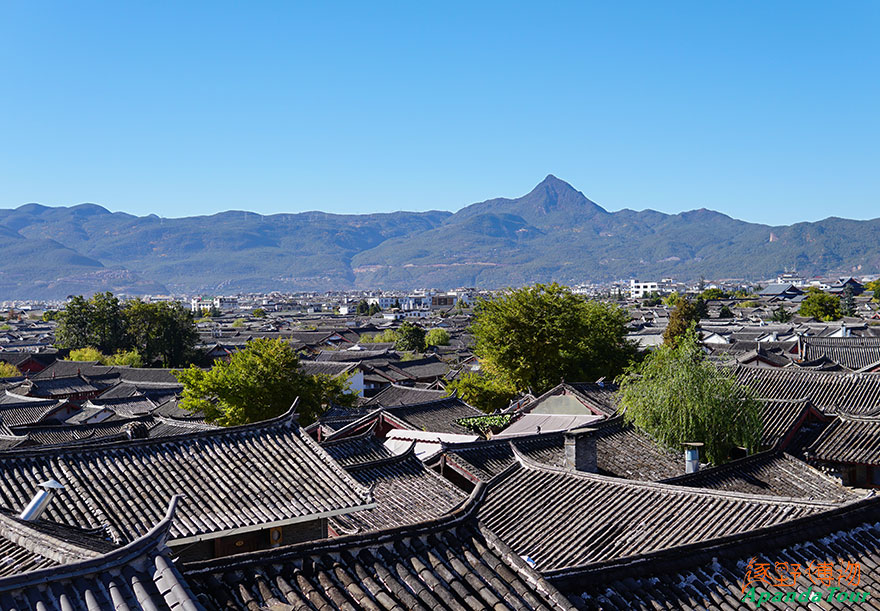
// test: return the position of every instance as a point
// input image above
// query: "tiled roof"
(772, 472)
(449, 563)
(405, 492)
(562, 518)
(233, 478)
(849, 439)
(438, 416)
(404, 395)
(61, 574)
(362, 448)
(710, 575)
(828, 391)
(621, 451)
(851, 352)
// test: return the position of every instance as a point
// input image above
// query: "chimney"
(40, 501)
(692, 457)
(580, 450)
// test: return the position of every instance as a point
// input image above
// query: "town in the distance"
(637, 444)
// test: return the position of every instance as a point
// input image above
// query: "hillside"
(552, 233)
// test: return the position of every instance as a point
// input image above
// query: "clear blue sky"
(767, 111)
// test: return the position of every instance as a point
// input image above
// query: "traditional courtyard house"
(785, 291)
(73, 388)
(559, 409)
(247, 487)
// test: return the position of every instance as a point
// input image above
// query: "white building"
(638, 289)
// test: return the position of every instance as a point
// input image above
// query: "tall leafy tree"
(680, 320)
(74, 324)
(258, 383)
(532, 337)
(820, 305)
(410, 337)
(161, 330)
(848, 302)
(676, 395)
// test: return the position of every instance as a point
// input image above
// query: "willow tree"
(677, 396)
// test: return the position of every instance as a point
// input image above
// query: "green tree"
(374, 309)
(410, 337)
(258, 383)
(74, 324)
(725, 312)
(820, 305)
(781, 314)
(259, 313)
(532, 337)
(652, 299)
(713, 293)
(238, 323)
(874, 287)
(671, 300)
(107, 326)
(363, 307)
(124, 358)
(701, 309)
(848, 302)
(437, 337)
(86, 354)
(678, 396)
(681, 319)
(161, 330)
(50, 315)
(485, 393)
(8, 370)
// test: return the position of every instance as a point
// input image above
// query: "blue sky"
(764, 111)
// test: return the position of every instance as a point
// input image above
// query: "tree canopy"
(820, 305)
(680, 320)
(153, 331)
(533, 337)
(410, 337)
(8, 370)
(437, 337)
(259, 382)
(677, 396)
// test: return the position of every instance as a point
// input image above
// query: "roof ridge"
(532, 465)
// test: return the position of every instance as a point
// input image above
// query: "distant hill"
(552, 233)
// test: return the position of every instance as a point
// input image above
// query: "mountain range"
(552, 233)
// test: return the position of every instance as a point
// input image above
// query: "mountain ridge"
(553, 232)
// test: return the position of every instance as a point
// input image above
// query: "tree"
(848, 302)
(107, 326)
(259, 313)
(437, 337)
(874, 287)
(677, 396)
(238, 323)
(87, 354)
(374, 309)
(701, 309)
(8, 370)
(74, 328)
(671, 300)
(258, 383)
(725, 312)
(682, 318)
(485, 393)
(781, 314)
(161, 330)
(363, 307)
(124, 358)
(713, 293)
(652, 299)
(820, 305)
(410, 337)
(533, 337)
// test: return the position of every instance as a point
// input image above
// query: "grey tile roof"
(562, 519)
(233, 478)
(438, 416)
(710, 575)
(63, 575)
(405, 492)
(362, 448)
(621, 451)
(851, 352)
(772, 472)
(827, 390)
(404, 395)
(849, 439)
(448, 563)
